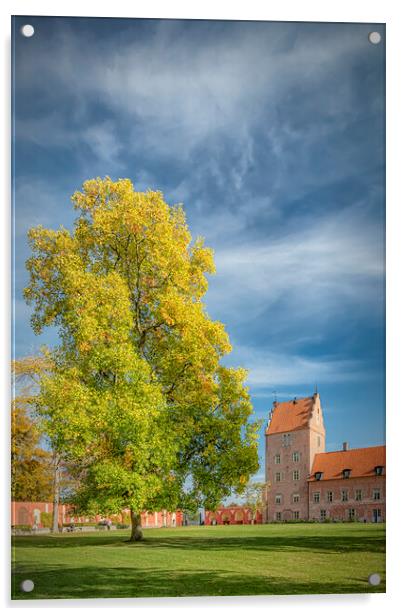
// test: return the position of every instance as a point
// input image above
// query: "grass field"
(192, 561)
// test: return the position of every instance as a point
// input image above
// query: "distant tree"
(138, 397)
(31, 467)
(38, 473)
(253, 497)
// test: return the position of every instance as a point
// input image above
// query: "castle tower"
(295, 433)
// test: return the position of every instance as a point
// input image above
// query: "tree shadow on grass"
(358, 542)
(76, 540)
(90, 582)
(346, 543)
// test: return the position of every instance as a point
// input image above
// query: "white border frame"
(369, 11)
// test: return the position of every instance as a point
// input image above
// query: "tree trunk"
(56, 497)
(136, 530)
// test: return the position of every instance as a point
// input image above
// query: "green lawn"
(191, 561)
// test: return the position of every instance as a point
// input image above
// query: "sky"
(272, 135)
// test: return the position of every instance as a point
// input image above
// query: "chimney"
(345, 446)
(294, 401)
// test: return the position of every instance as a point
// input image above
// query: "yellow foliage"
(125, 289)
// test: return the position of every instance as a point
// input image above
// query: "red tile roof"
(361, 462)
(292, 415)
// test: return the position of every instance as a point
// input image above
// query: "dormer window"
(346, 473)
(318, 475)
(379, 470)
(286, 440)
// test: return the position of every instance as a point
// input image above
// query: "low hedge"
(67, 524)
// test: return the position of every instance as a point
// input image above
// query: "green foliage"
(125, 518)
(138, 397)
(46, 519)
(253, 496)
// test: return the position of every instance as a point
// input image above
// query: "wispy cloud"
(38, 201)
(233, 81)
(99, 140)
(316, 272)
(272, 136)
(269, 369)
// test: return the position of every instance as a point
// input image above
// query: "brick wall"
(31, 513)
(338, 509)
(232, 515)
(279, 472)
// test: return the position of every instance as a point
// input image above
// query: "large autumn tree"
(139, 395)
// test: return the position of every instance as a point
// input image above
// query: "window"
(277, 458)
(318, 441)
(376, 494)
(358, 495)
(286, 440)
(296, 475)
(277, 476)
(346, 473)
(296, 515)
(278, 499)
(316, 497)
(351, 515)
(323, 515)
(278, 516)
(330, 497)
(379, 470)
(296, 498)
(295, 456)
(318, 475)
(344, 495)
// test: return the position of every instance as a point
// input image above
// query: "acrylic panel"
(199, 308)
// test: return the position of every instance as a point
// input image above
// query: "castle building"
(303, 482)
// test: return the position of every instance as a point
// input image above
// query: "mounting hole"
(27, 585)
(27, 30)
(374, 37)
(374, 579)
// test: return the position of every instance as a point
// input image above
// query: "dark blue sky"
(272, 136)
